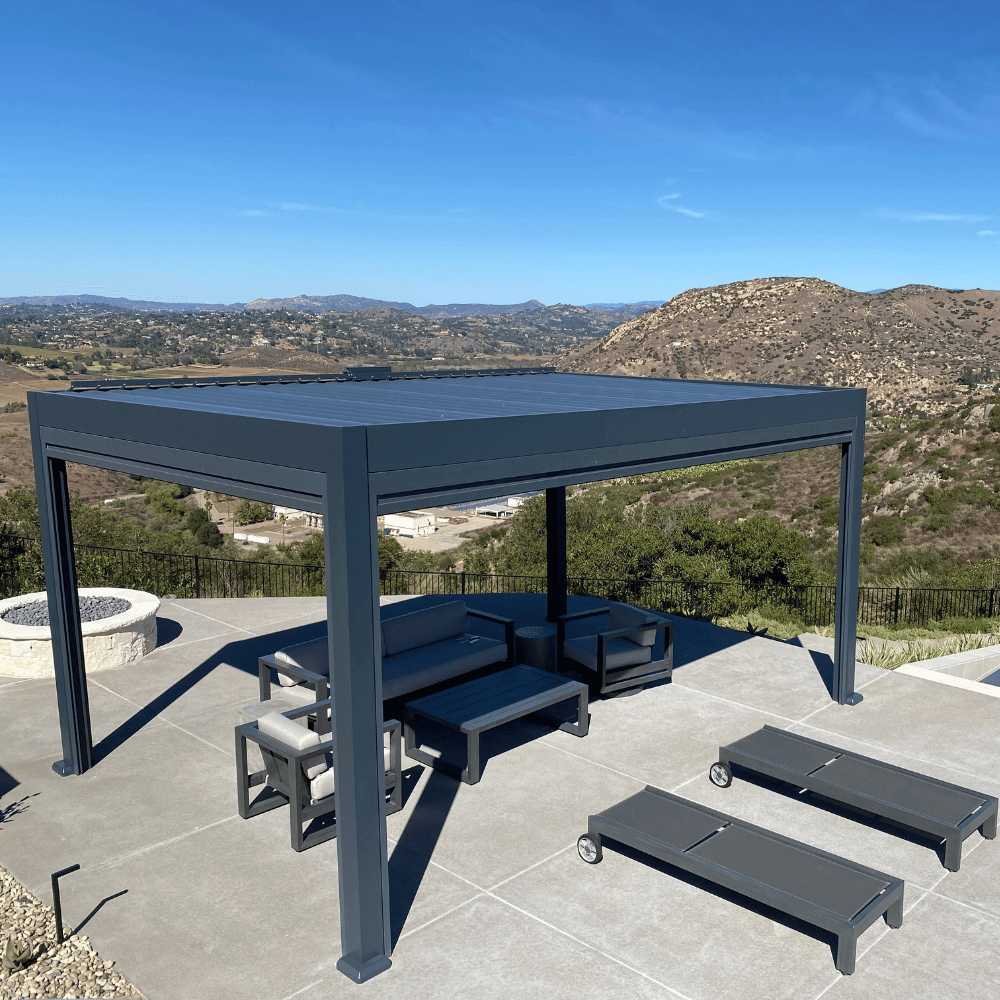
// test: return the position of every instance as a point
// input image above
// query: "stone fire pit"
(26, 650)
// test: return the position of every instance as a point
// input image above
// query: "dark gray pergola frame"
(323, 444)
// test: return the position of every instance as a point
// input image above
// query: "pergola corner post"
(848, 558)
(356, 693)
(555, 550)
(52, 493)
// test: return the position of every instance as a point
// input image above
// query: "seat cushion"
(618, 652)
(421, 628)
(295, 737)
(323, 785)
(413, 669)
(621, 615)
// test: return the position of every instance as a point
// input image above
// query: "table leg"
(582, 725)
(471, 774)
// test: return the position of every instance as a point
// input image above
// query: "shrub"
(829, 517)
(766, 503)
(883, 531)
(893, 474)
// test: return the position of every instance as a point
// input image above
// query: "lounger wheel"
(589, 849)
(721, 774)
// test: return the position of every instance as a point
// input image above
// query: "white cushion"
(322, 785)
(295, 737)
(620, 615)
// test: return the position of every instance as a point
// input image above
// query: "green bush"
(893, 474)
(883, 531)
(830, 517)
(765, 503)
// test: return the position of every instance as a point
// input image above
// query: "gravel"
(71, 969)
(92, 609)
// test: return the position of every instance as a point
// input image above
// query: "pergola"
(371, 441)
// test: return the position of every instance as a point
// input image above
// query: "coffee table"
(482, 704)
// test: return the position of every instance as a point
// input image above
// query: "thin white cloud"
(251, 211)
(294, 206)
(934, 217)
(988, 232)
(664, 202)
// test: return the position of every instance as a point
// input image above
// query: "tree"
(251, 512)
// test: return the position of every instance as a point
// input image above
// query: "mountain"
(909, 346)
(119, 303)
(355, 303)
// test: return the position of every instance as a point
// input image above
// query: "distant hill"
(119, 303)
(355, 303)
(909, 346)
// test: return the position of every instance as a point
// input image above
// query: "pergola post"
(356, 693)
(848, 557)
(64, 615)
(555, 550)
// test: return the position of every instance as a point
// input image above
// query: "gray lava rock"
(92, 609)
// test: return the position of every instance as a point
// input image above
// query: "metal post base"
(62, 769)
(854, 699)
(367, 970)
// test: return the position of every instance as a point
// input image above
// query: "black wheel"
(720, 774)
(589, 849)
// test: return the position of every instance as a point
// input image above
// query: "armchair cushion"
(323, 784)
(618, 652)
(421, 628)
(620, 616)
(295, 737)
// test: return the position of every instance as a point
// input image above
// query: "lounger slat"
(920, 796)
(839, 888)
(676, 825)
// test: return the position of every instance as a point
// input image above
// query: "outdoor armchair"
(627, 654)
(298, 768)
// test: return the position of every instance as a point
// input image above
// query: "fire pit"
(119, 626)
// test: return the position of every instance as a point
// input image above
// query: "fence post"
(463, 582)
(197, 577)
(895, 616)
(992, 595)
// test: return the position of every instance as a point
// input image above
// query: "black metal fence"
(164, 573)
(813, 605)
(160, 573)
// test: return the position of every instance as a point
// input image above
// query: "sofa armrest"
(508, 631)
(319, 682)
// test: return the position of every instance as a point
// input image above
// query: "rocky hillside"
(909, 346)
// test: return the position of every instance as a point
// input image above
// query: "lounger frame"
(819, 900)
(799, 761)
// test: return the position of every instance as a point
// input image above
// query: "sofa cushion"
(620, 615)
(618, 652)
(295, 737)
(313, 655)
(323, 784)
(421, 628)
(413, 669)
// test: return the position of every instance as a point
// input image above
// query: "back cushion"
(421, 628)
(313, 655)
(620, 616)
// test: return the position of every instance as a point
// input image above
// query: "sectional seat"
(418, 649)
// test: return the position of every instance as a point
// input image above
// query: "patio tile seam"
(587, 760)
(589, 947)
(121, 859)
(162, 718)
(736, 704)
(441, 916)
(291, 996)
(542, 861)
(191, 642)
(479, 889)
(211, 618)
(883, 749)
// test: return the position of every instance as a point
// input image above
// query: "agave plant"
(15, 956)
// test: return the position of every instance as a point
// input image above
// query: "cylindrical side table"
(536, 646)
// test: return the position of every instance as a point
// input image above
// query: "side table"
(536, 646)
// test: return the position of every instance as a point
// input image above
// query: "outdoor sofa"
(419, 649)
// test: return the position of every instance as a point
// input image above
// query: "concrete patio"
(488, 895)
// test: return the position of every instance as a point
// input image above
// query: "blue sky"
(494, 152)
